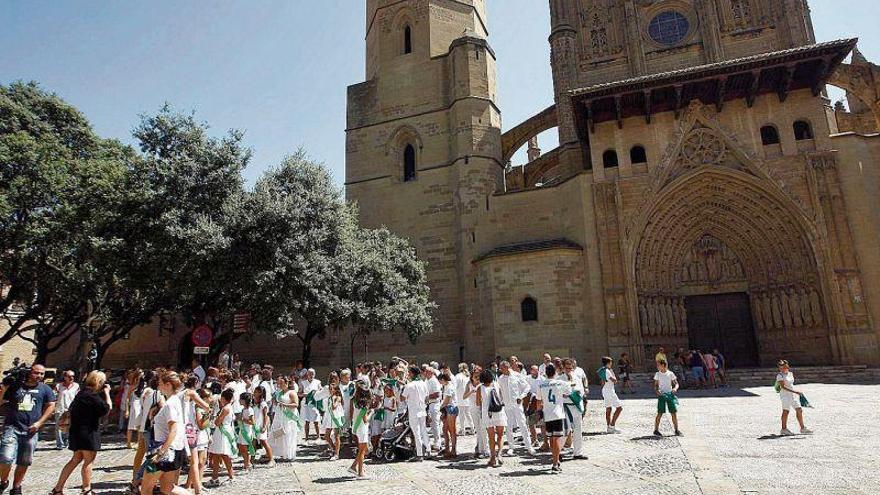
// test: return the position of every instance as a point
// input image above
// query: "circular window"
(669, 28)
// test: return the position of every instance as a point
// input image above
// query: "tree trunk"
(80, 361)
(42, 352)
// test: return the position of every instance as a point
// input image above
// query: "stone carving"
(703, 147)
(710, 261)
(662, 315)
(786, 308)
(602, 29)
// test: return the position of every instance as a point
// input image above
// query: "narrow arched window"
(637, 155)
(409, 163)
(529, 309)
(802, 131)
(769, 135)
(407, 40)
(609, 159)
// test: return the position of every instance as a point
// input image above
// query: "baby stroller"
(397, 443)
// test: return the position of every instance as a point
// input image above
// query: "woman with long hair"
(151, 402)
(196, 436)
(168, 430)
(334, 417)
(133, 405)
(91, 404)
(286, 424)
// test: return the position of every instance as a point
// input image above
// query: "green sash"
(339, 422)
(246, 436)
(777, 387)
(311, 401)
(379, 415)
(230, 439)
(291, 414)
(578, 400)
(360, 419)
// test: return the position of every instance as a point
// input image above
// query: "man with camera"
(27, 404)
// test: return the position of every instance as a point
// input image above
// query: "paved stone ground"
(729, 447)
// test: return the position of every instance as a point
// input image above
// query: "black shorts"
(173, 465)
(553, 428)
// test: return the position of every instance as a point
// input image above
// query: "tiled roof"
(801, 51)
(528, 247)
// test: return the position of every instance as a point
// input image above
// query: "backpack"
(495, 404)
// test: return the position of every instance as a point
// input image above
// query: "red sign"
(202, 336)
(241, 323)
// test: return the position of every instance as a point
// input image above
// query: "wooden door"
(723, 322)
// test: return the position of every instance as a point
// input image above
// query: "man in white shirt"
(66, 390)
(542, 369)
(550, 396)
(465, 425)
(434, 388)
(574, 408)
(513, 389)
(415, 393)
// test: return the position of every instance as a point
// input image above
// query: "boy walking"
(606, 375)
(665, 385)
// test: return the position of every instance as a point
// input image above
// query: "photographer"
(27, 404)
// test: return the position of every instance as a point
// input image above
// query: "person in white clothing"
(449, 412)
(542, 369)
(284, 432)
(222, 446)
(470, 396)
(169, 432)
(465, 424)
(414, 394)
(494, 417)
(514, 388)
(531, 406)
(790, 399)
(550, 402)
(609, 395)
(430, 375)
(574, 408)
(66, 390)
(310, 413)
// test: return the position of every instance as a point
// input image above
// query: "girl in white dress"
(286, 424)
(261, 424)
(493, 422)
(362, 403)
(193, 402)
(334, 414)
(245, 438)
(222, 446)
(470, 395)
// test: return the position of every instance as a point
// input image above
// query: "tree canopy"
(97, 238)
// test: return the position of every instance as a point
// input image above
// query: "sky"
(276, 69)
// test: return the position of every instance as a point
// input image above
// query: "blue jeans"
(17, 447)
(60, 436)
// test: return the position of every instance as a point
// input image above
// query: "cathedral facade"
(705, 192)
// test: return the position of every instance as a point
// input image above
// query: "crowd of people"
(201, 418)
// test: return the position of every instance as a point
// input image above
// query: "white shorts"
(790, 401)
(611, 398)
(363, 434)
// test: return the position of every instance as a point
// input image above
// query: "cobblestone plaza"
(730, 446)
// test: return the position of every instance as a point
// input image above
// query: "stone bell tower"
(423, 148)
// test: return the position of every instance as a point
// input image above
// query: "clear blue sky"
(276, 69)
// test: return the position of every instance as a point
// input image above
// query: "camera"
(16, 377)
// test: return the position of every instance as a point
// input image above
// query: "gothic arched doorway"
(724, 261)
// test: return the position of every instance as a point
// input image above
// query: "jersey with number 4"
(552, 393)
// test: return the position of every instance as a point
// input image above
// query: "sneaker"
(785, 432)
(532, 452)
(15, 491)
(333, 457)
(417, 458)
(609, 429)
(806, 431)
(580, 457)
(555, 469)
(270, 464)
(510, 452)
(616, 431)
(657, 433)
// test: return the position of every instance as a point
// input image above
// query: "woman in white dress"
(222, 446)
(310, 413)
(334, 414)
(362, 412)
(286, 424)
(133, 406)
(493, 422)
(261, 424)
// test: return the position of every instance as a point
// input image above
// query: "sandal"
(56, 492)
(88, 492)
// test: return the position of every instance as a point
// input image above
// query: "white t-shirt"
(172, 411)
(580, 376)
(65, 396)
(415, 394)
(788, 380)
(609, 375)
(665, 378)
(449, 391)
(542, 370)
(433, 387)
(533, 385)
(552, 393)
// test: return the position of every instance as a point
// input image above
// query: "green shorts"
(667, 400)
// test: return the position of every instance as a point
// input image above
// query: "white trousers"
(516, 418)
(434, 423)
(420, 433)
(577, 429)
(479, 430)
(464, 418)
